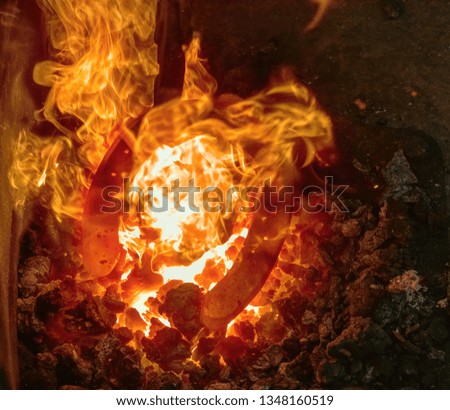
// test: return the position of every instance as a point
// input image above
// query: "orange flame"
(199, 137)
(101, 72)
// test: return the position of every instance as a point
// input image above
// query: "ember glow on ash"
(100, 74)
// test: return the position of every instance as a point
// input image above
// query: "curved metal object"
(100, 242)
(101, 248)
(249, 272)
(100, 226)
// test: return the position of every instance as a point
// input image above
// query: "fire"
(100, 77)
(194, 160)
(101, 71)
(180, 143)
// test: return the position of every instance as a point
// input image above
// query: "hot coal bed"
(366, 308)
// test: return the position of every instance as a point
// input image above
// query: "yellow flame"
(184, 140)
(101, 71)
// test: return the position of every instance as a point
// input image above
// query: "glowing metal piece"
(100, 239)
(251, 269)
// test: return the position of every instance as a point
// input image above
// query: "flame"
(183, 230)
(101, 71)
(200, 138)
(101, 75)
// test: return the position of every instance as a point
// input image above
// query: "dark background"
(392, 55)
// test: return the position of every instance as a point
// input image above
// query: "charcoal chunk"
(111, 299)
(33, 274)
(231, 348)
(37, 371)
(362, 337)
(89, 317)
(182, 307)
(117, 366)
(72, 368)
(166, 347)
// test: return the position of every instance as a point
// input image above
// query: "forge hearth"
(351, 296)
(366, 308)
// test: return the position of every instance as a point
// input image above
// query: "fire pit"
(234, 235)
